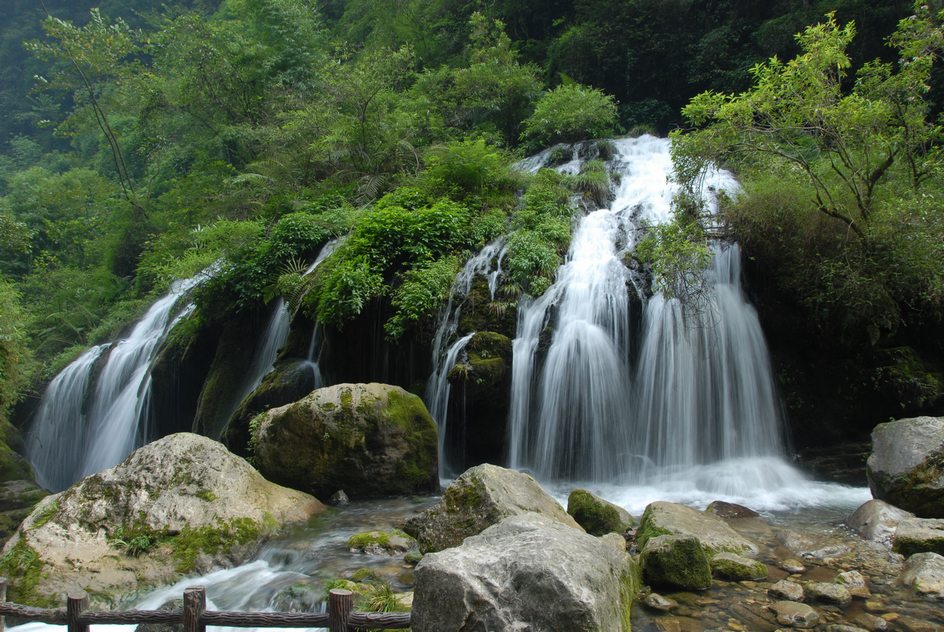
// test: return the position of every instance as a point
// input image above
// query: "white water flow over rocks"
(77, 432)
(273, 339)
(487, 264)
(689, 389)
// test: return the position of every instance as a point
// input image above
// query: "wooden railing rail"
(194, 616)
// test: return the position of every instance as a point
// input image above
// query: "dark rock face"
(526, 572)
(368, 439)
(227, 373)
(906, 467)
(287, 383)
(478, 407)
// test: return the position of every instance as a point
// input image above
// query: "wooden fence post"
(3, 597)
(340, 605)
(75, 604)
(195, 601)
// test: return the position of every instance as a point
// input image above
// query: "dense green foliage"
(842, 178)
(160, 139)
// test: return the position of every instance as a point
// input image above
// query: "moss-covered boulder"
(906, 467)
(176, 506)
(481, 497)
(368, 439)
(676, 562)
(735, 568)
(288, 382)
(393, 542)
(478, 409)
(528, 572)
(596, 515)
(714, 534)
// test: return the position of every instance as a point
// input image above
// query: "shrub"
(569, 113)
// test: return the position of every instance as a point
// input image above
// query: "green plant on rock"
(133, 541)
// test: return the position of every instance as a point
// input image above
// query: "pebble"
(793, 566)
(786, 590)
(823, 592)
(870, 622)
(797, 615)
(855, 583)
(658, 602)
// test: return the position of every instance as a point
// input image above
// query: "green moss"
(23, 568)
(630, 583)
(594, 515)
(723, 567)
(468, 494)
(361, 541)
(909, 546)
(46, 514)
(676, 562)
(347, 398)
(206, 495)
(189, 544)
(365, 574)
(647, 530)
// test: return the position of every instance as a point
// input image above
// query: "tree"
(799, 115)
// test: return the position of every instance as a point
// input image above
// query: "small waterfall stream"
(77, 432)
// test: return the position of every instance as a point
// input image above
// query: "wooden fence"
(194, 616)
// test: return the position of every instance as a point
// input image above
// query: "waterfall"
(274, 338)
(697, 389)
(87, 423)
(486, 263)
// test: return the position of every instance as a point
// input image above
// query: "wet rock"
(877, 521)
(855, 583)
(869, 622)
(340, 498)
(735, 568)
(905, 466)
(596, 515)
(173, 604)
(715, 536)
(839, 627)
(656, 601)
(180, 504)
(796, 615)
(527, 572)
(17, 500)
(368, 439)
(823, 592)
(924, 572)
(677, 562)
(730, 510)
(792, 566)
(917, 535)
(481, 497)
(381, 542)
(786, 590)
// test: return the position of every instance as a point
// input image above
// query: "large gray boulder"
(877, 521)
(481, 497)
(714, 534)
(178, 505)
(368, 439)
(528, 572)
(906, 467)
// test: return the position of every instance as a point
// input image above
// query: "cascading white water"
(61, 424)
(486, 263)
(66, 443)
(274, 338)
(699, 390)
